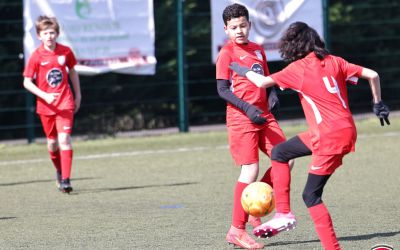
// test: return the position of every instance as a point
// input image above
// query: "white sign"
(269, 18)
(105, 35)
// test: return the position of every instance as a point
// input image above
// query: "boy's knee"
(248, 173)
(52, 145)
(311, 199)
(278, 153)
(64, 140)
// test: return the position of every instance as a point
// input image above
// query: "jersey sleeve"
(31, 68)
(71, 60)
(350, 70)
(288, 77)
(223, 71)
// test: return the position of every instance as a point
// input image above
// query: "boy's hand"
(382, 111)
(51, 97)
(241, 70)
(254, 115)
(273, 101)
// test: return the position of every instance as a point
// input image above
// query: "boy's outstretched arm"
(259, 80)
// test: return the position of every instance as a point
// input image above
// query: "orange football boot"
(240, 238)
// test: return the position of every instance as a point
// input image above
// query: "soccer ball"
(258, 199)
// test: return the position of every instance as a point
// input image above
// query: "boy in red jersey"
(251, 126)
(49, 67)
(320, 79)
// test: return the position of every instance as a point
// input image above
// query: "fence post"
(30, 123)
(183, 113)
(325, 10)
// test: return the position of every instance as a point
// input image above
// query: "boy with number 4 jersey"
(46, 76)
(320, 80)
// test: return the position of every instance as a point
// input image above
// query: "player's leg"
(280, 156)
(321, 168)
(54, 151)
(66, 153)
(270, 136)
(267, 177)
(248, 174)
(244, 150)
(49, 128)
(64, 122)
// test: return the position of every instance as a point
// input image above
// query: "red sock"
(281, 180)
(66, 163)
(55, 158)
(324, 227)
(239, 216)
(267, 178)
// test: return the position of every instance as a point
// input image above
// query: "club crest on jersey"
(54, 77)
(258, 54)
(61, 60)
(257, 68)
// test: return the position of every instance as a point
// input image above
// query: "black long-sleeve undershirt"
(223, 88)
(251, 111)
(224, 91)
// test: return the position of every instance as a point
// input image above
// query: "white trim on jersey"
(353, 80)
(317, 114)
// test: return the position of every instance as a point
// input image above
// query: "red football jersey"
(323, 94)
(253, 56)
(49, 68)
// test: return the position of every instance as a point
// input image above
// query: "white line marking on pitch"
(160, 151)
(114, 155)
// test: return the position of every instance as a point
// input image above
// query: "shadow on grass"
(347, 238)
(99, 190)
(38, 181)
(369, 236)
(7, 218)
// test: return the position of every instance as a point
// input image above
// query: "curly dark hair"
(234, 11)
(299, 40)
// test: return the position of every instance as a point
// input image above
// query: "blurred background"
(363, 32)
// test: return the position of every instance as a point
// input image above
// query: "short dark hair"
(234, 11)
(299, 40)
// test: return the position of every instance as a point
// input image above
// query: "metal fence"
(363, 33)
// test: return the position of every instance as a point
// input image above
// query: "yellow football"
(258, 199)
